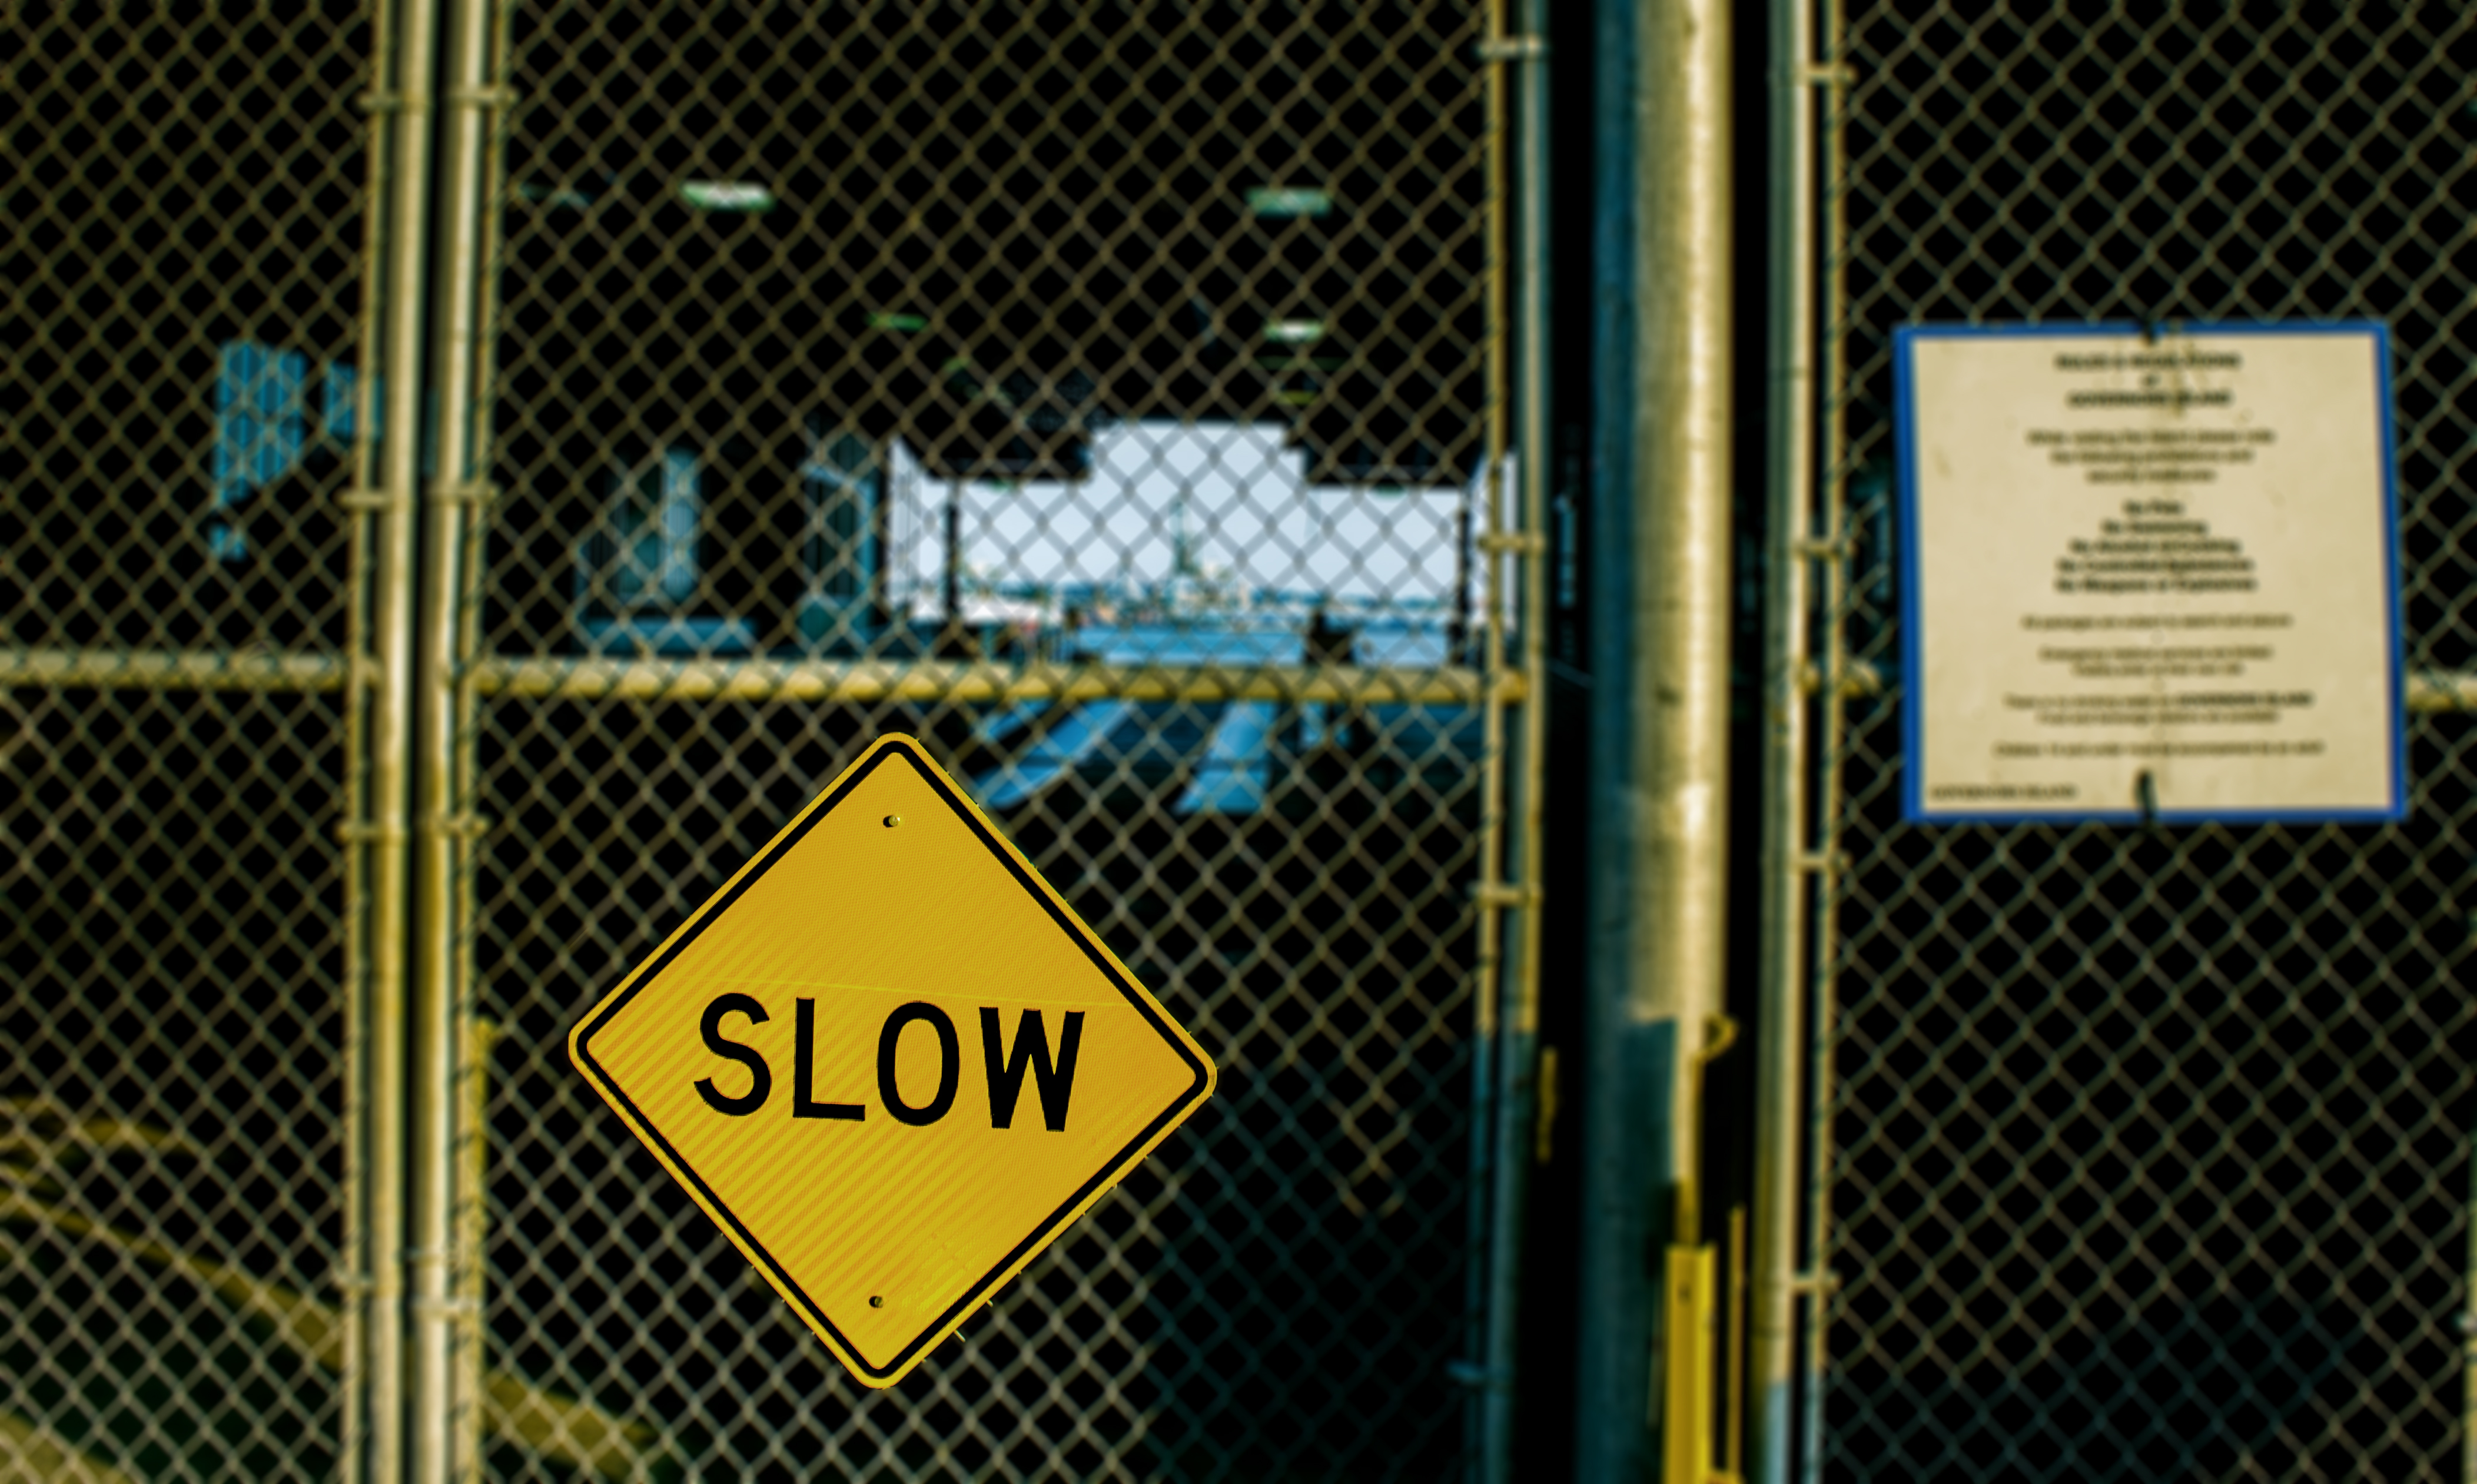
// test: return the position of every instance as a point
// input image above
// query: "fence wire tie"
(498, 97)
(1499, 894)
(1514, 48)
(1475, 1375)
(477, 494)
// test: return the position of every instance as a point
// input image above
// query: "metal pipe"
(1479, 1286)
(2427, 692)
(1831, 734)
(204, 670)
(473, 1162)
(1518, 1022)
(1660, 724)
(962, 681)
(352, 1262)
(405, 93)
(353, 1257)
(1783, 982)
(444, 1344)
(472, 1229)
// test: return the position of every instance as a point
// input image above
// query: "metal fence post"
(448, 1334)
(405, 94)
(1516, 1072)
(1788, 857)
(1659, 642)
(1490, 895)
(1832, 727)
(355, 1248)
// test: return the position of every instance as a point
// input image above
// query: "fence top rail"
(2429, 691)
(176, 670)
(866, 680)
(2434, 689)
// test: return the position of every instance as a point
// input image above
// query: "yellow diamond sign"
(890, 1061)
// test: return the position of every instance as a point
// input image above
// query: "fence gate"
(482, 467)
(2143, 1152)
(1108, 397)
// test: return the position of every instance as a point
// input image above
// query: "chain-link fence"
(1101, 395)
(2150, 1146)
(181, 292)
(1112, 397)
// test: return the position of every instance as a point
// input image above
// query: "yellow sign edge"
(1048, 1230)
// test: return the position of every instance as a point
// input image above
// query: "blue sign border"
(1914, 809)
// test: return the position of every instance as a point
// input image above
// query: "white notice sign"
(2148, 576)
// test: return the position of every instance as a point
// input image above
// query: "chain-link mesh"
(2151, 1146)
(181, 290)
(1099, 393)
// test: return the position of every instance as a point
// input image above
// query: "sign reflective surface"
(890, 1061)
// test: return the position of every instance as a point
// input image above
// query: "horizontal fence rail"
(2425, 691)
